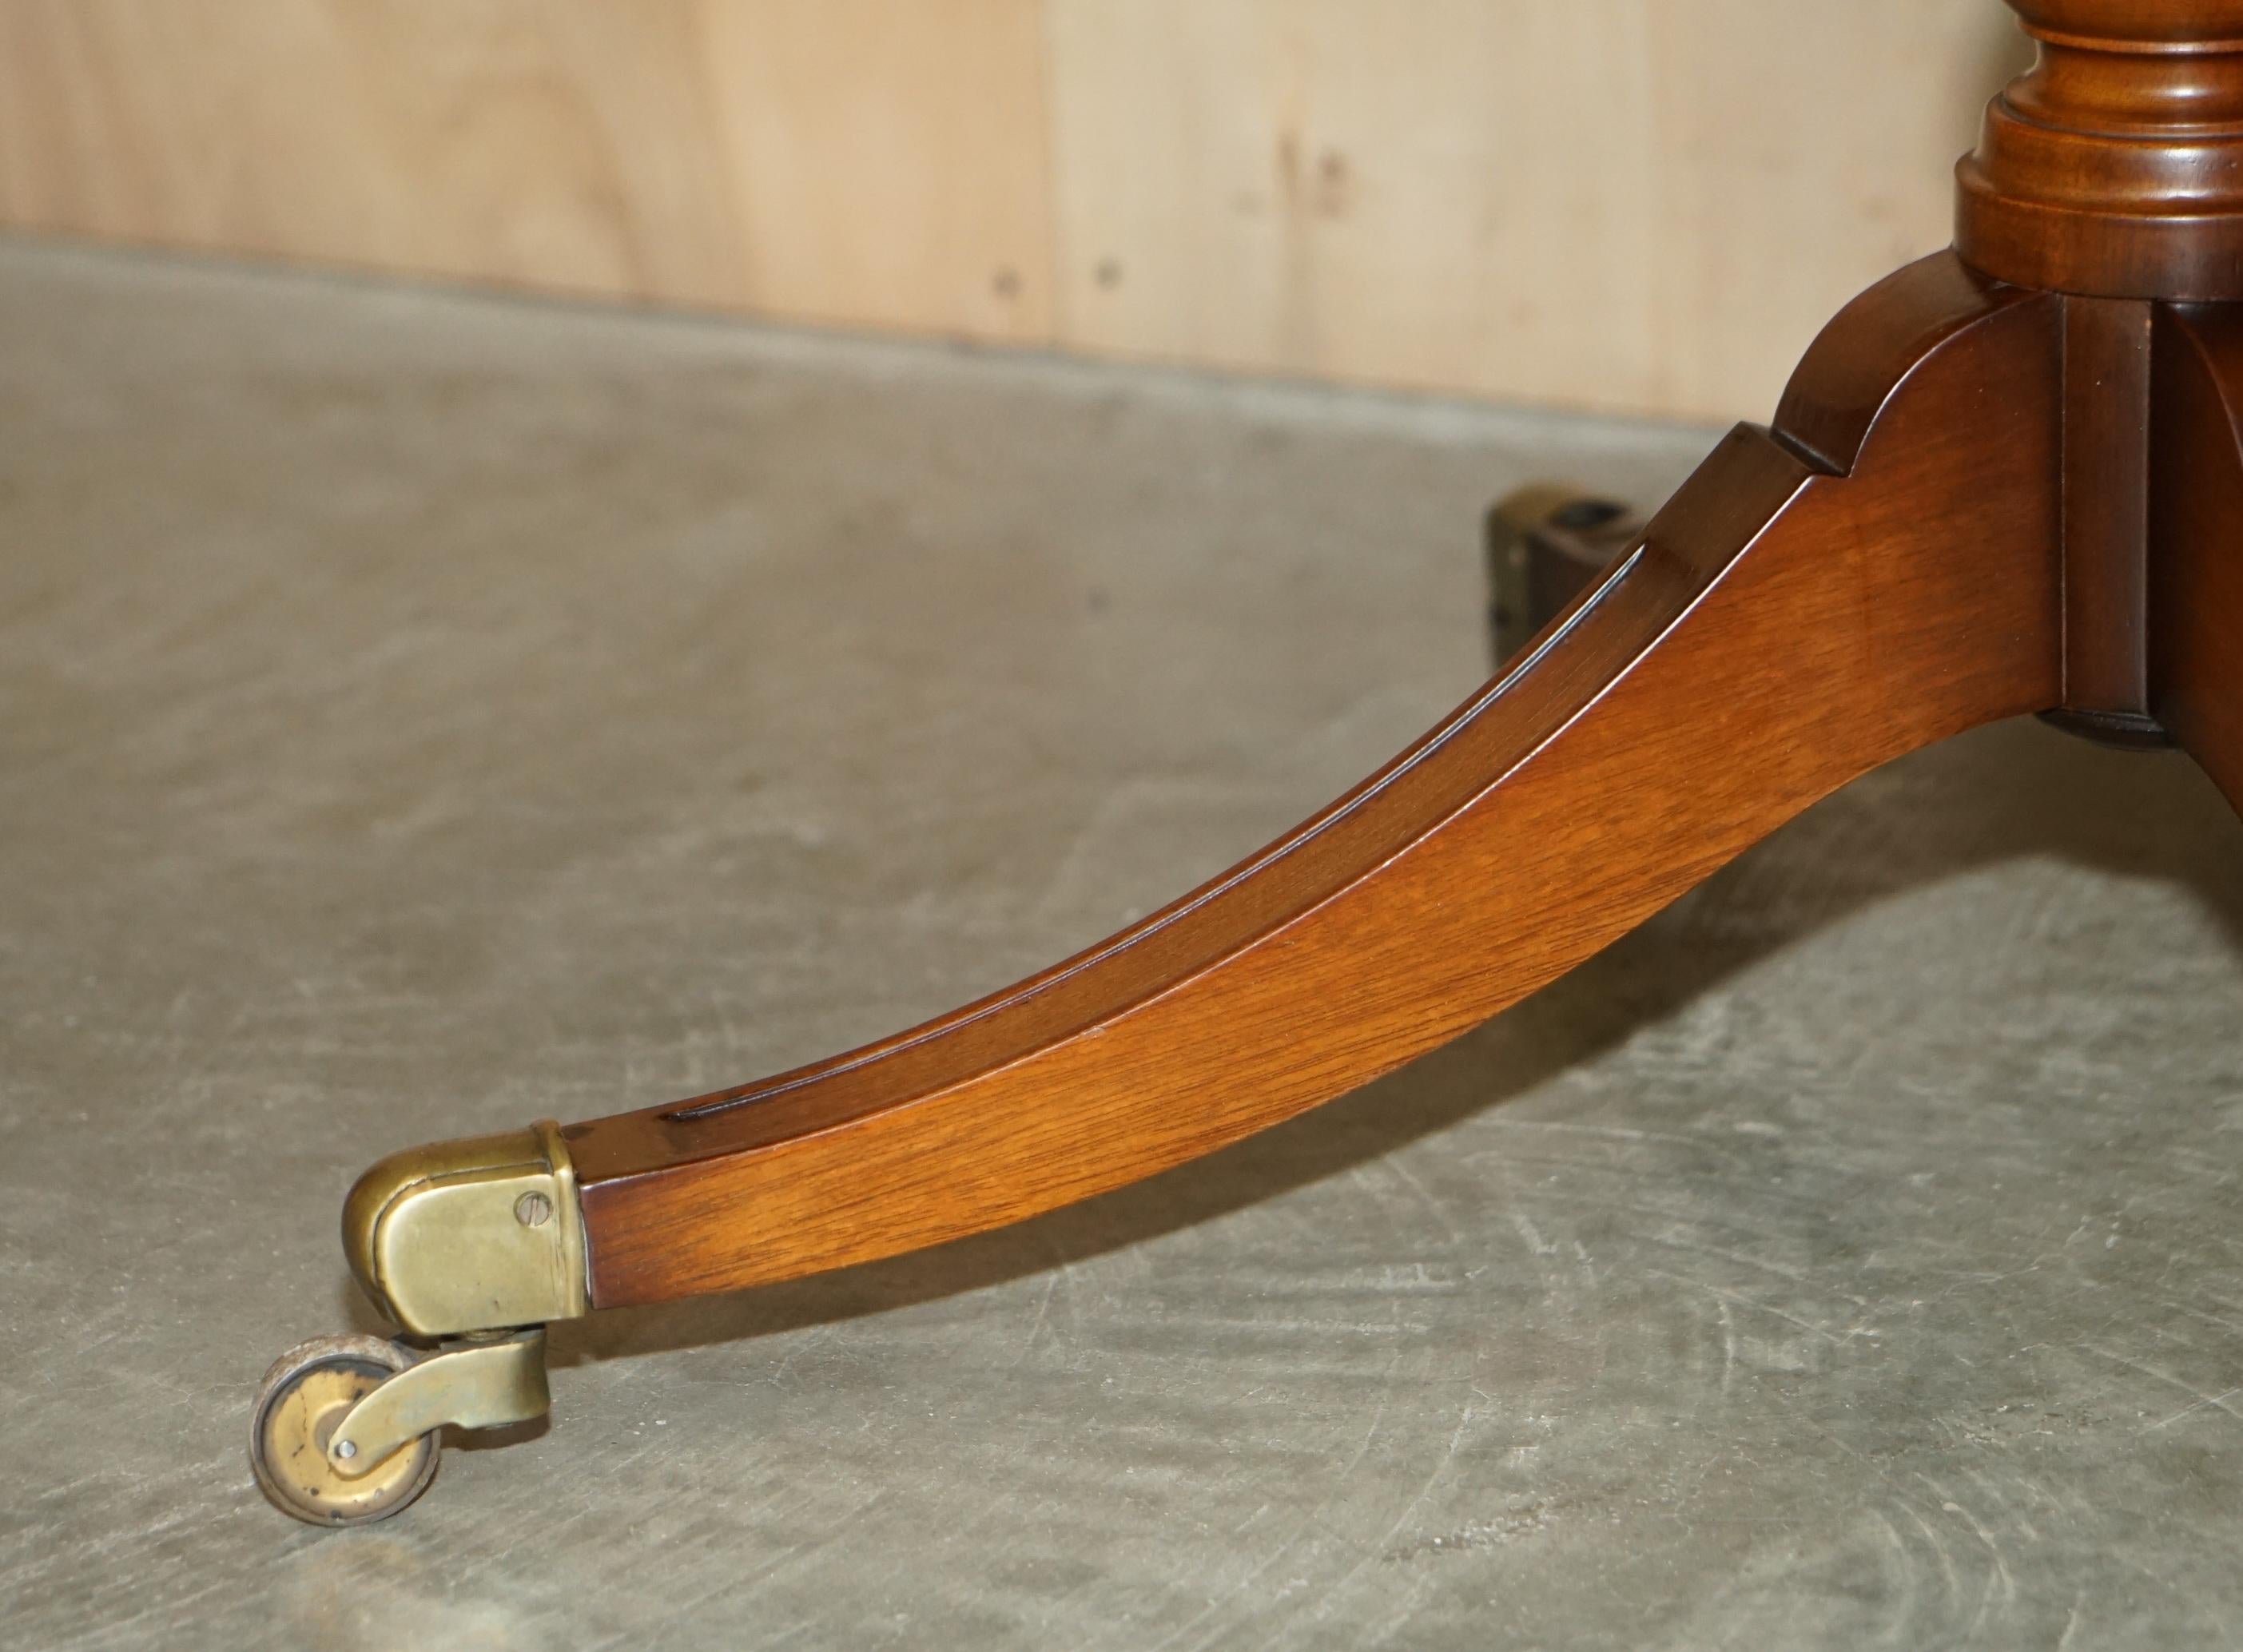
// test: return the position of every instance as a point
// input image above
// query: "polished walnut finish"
(2115, 168)
(2196, 586)
(1792, 618)
(2007, 481)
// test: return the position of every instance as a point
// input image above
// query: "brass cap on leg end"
(474, 1235)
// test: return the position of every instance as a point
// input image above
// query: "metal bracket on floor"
(478, 1384)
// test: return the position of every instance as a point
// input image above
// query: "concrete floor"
(419, 713)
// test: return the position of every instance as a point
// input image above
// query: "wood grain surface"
(2106, 502)
(2196, 563)
(855, 161)
(2115, 167)
(1783, 628)
(1619, 203)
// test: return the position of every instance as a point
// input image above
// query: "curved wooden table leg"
(2196, 545)
(1877, 573)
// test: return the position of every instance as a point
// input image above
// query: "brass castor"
(470, 1246)
(305, 1395)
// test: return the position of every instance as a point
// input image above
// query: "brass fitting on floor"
(478, 1242)
(482, 1234)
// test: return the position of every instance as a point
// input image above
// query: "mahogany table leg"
(1882, 567)
(1878, 572)
(1976, 500)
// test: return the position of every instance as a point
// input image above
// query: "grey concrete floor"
(421, 714)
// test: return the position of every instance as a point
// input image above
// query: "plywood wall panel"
(887, 158)
(1640, 204)
(1643, 204)
(859, 161)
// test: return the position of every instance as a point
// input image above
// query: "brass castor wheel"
(307, 1394)
(471, 1246)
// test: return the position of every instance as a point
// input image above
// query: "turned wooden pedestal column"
(2112, 173)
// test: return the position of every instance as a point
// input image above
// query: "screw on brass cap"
(442, 1237)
